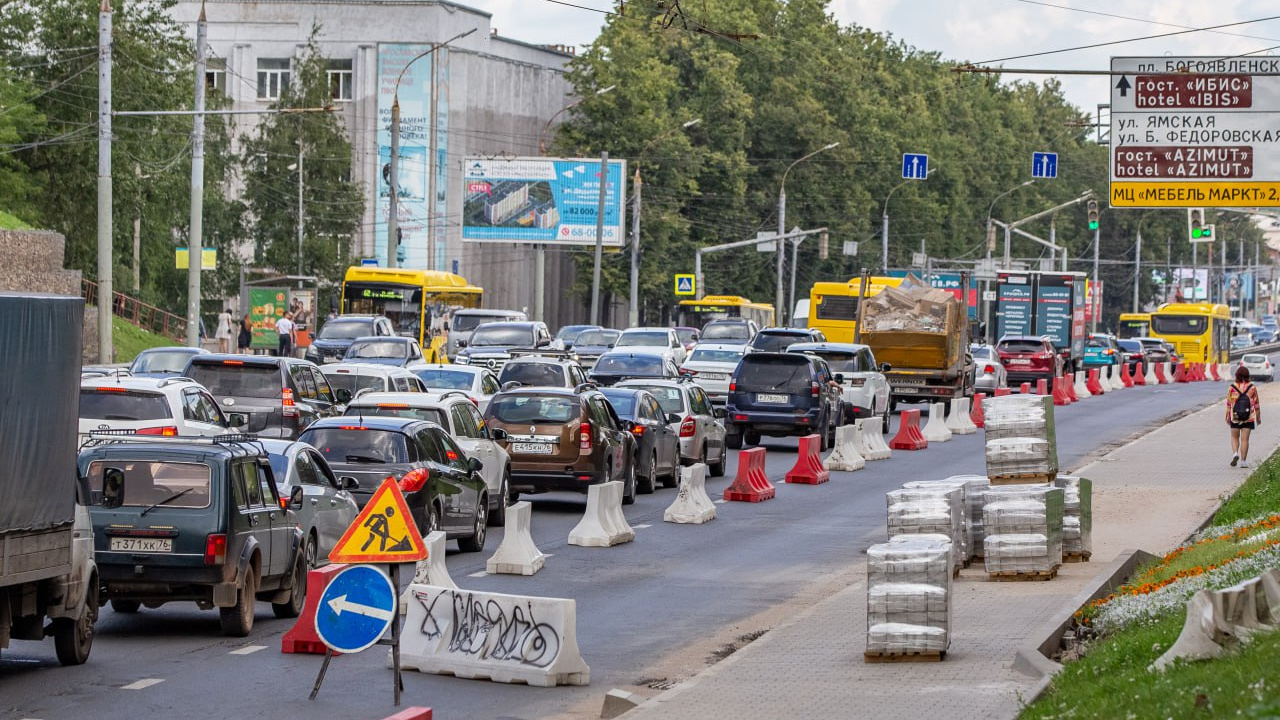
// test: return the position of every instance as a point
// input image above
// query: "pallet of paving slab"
(900, 657)
(1075, 557)
(1014, 576)
(1024, 479)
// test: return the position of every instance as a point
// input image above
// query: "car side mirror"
(343, 395)
(461, 343)
(235, 420)
(349, 483)
(611, 345)
(839, 378)
(112, 487)
(474, 464)
(543, 343)
(673, 418)
(720, 412)
(295, 497)
(885, 367)
(499, 433)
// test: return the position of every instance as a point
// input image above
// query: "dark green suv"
(194, 519)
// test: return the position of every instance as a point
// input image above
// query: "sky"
(984, 30)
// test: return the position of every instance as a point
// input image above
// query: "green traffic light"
(1197, 233)
(1093, 224)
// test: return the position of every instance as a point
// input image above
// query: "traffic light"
(1196, 229)
(1093, 214)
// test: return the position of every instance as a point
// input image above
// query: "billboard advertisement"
(551, 201)
(1192, 284)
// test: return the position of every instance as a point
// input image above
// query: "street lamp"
(298, 166)
(884, 222)
(393, 178)
(782, 226)
(633, 311)
(991, 208)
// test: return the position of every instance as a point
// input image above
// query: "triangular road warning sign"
(383, 532)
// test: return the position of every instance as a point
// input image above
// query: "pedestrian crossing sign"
(384, 532)
(685, 285)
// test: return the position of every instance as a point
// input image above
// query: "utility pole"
(137, 242)
(106, 296)
(195, 239)
(633, 309)
(595, 270)
(795, 260)
(780, 249)
(393, 182)
(300, 212)
(1137, 264)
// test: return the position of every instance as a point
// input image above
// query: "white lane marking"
(482, 573)
(248, 650)
(640, 527)
(142, 684)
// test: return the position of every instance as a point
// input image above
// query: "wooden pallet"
(1010, 576)
(922, 656)
(1025, 479)
(1075, 557)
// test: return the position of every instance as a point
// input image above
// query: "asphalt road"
(635, 602)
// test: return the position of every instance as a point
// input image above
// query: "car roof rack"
(540, 352)
(175, 379)
(581, 387)
(510, 385)
(447, 393)
(231, 441)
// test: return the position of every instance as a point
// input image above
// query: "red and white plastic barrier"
(1113, 378)
(1138, 378)
(1095, 387)
(1060, 396)
(751, 483)
(1042, 387)
(808, 469)
(845, 456)
(870, 439)
(936, 429)
(1001, 392)
(1080, 389)
(692, 505)
(1025, 388)
(1151, 373)
(958, 420)
(1125, 377)
(909, 436)
(975, 413)
(302, 637)
(1162, 373)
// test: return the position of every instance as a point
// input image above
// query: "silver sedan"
(989, 373)
(328, 508)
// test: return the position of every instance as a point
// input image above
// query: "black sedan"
(657, 448)
(442, 486)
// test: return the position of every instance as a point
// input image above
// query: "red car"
(1028, 359)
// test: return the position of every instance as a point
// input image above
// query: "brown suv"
(563, 439)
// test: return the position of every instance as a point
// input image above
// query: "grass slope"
(11, 222)
(131, 340)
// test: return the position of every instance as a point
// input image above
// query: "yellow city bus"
(696, 313)
(833, 306)
(412, 299)
(1133, 325)
(1200, 332)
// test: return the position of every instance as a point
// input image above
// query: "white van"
(464, 322)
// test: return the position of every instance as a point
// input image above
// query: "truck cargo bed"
(31, 556)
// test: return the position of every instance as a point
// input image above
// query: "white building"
(491, 96)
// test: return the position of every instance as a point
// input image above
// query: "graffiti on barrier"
(488, 628)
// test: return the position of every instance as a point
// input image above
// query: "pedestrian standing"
(223, 333)
(285, 329)
(1244, 413)
(245, 337)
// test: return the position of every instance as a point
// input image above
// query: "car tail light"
(638, 430)
(475, 402)
(232, 362)
(287, 406)
(394, 406)
(988, 369)
(352, 427)
(414, 480)
(215, 549)
(1109, 351)
(739, 418)
(690, 373)
(733, 384)
(166, 431)
(111, 389)
(584, 437)
(814, 389)
(687, 427)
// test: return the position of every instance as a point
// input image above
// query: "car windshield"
(1021, 346)
(784, 372)
(161, 361)
(982, 352)
(445, 379)
(776, 342)
(535, 409)
(726, 331)
(355, 382)
(378, 349)
(362, 445)
(533, 374)
(671, 399)
(113, 404)
(1153, 343)
(339, 329)
(624, 403)
(568, 333)
(467, 323)
(490, 336)
(399, 410)
(686, 335)
(624, 365)
(645, 339)
(148, 482)
(719, 356)
(259, 381)
(1131, 346)
(596, 338)
(1097, 343)
(1255, 359)
(279, 468)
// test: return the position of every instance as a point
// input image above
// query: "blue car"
(1102, 350)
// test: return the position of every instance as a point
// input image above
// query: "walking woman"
(1244, 413)
(245, 338)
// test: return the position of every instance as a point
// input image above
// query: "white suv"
(864, 391)
(454, 411)
(166, 407)
(357, 378)
(653, 337)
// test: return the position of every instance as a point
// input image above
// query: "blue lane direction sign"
(356, 609)
(1044, 165)
(915, 166)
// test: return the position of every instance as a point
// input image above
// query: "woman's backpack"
(1243, 406)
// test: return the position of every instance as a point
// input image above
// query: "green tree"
(19, 119)
(332, 204)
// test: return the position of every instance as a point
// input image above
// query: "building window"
(215, 75)
(341, 79)
(273, 78)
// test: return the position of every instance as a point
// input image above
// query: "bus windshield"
(1178, 324)
(401, 303)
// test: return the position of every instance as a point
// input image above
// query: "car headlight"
(462, 360)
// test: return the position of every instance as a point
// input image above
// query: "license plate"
(907, 390)
(710, 376)
(131, 544)
(1019, 361)
(532, 448)
(775, 399)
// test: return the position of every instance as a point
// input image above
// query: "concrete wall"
(31, 261)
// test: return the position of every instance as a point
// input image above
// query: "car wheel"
(648, 483)
(73, 638)
(629, 485)
(884, 423)
(311, 552)
(498, 515)
(717, 469)
(126, 607)
(475, 543)
(751, 438)
(237, 620)
(433, 520)
(733, 441)
(293, 607)
(824, 437)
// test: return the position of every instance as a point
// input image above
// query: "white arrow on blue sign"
(915, 166)
(1044, 165)
(356, 609)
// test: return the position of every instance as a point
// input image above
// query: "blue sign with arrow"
(1044, 165)
(356, 609)
(915, 166)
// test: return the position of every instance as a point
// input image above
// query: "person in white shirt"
(285, 329)
(223, 333)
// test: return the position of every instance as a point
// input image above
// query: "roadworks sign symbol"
(685, 285)
(383, 532)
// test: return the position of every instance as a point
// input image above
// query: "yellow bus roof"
(430, 280)
(1135, 316)
(724, 300)
(1212, 310)
(854, 285)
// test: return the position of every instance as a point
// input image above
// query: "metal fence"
(147, 317)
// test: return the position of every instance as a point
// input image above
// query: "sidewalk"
(1149, 495)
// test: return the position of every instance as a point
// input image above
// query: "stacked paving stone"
(1021, 440)
(922, 511)
(1024, 529)
(971, 488)
(1077, 515)
(909, 595)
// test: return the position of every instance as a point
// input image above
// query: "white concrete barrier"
(1114, 377)
(960, 420)
(936, 429)
(692, 505)
(1168, 373)
(517, 555)
(491, 636)
(430, 570)
(1082, 390)
(845, 455)
(1150, 375)
(871, 444)
(1224, 372)
(600, 525)
(1219, 619)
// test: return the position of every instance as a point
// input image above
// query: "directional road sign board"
(915, 166)
(686, 284)
(1195, 131)
(383, 532)
(355, 609)
(1044, 165)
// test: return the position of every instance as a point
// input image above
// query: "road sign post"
(915, 166)
(355, 611)
(1044, 165)
(686, 284)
